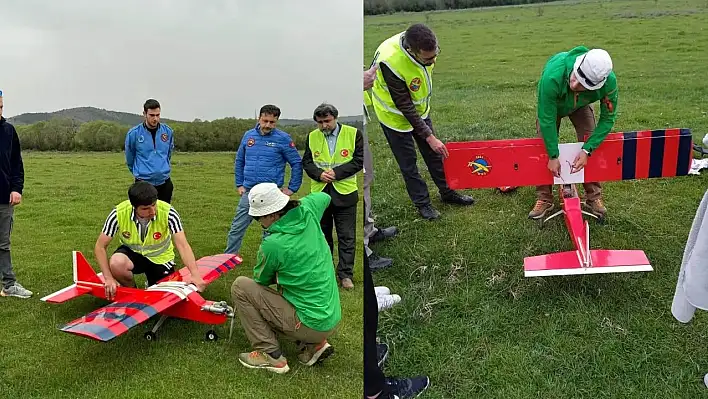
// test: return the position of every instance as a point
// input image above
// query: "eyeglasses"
(582, 74)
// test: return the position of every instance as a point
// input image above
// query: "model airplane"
(171, 297)
(523, 162)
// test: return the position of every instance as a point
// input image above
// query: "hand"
(15, 198)
(196, 280)
(369, 77)
(241, 190)
(437, 146)
(554, 165)
(286, 191)
(332, 175)
(110, 286)
(326, 176)
(579, 162)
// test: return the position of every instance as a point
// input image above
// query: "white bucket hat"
(266, 198)
(592, 68)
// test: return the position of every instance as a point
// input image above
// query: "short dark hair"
(151, 104)
(323, 110)
(142, 193)
(292, 204)
(269, 109)
(420, 37)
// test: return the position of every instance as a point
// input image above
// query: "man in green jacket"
(570, 83)
(294, 255)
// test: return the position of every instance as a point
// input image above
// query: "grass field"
(469, 319)
(66, 200)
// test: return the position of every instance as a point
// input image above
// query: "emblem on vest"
(126, 234)
(344, 152)
(317, 154)
(164, 137)
(251, 142)
(156, 235)
(415, 84)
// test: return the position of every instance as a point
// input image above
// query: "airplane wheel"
(150, 336)
(211, 335)
(601, 220)
(540, 223)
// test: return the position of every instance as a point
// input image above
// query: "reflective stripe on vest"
(417, 78)
(343, 153)
(157, 247)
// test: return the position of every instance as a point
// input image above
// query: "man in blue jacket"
(261, 158)
(148, 151)
(12, 181)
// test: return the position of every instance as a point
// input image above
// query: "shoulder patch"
(251, 141)
(292, 144)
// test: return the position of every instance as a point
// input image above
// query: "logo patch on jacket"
(271, 144)
(251, 142)
(141, 138)
(344, 152)
(164, 137)
(292, 144)
(415, 84)
(157, 235)
(126, 234)
(317, 154)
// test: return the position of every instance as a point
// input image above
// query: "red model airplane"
(170, 296)
(523, 162)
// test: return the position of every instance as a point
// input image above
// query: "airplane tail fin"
(83, 272)
(602, 261)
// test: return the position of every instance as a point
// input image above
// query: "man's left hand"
(15, 198)
(579, 162)
(196, 280)
(331, 174)
(286, 191)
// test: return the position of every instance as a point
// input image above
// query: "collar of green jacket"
(293, 222)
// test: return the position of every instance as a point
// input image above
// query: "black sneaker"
(378, 263)
(458, 199)
(381, 353)
(382, 234)
(428, 212)
(405, 388)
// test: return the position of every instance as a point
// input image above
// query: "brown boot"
(597, 207)
(540, 209)
(347, 283)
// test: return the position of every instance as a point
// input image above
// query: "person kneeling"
(295, 256)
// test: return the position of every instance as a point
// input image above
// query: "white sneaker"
(382, 290)
(16, 290)
(386, 301)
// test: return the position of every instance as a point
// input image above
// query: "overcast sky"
(204, 59)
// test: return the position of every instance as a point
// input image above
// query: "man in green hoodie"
(294, 255)
(570, 83)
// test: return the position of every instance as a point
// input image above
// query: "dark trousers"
(6, 222)
(374, 379)
(403, 148)
(164, 190)
(343, 219)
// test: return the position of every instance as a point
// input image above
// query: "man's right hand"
(554, 165)
(241, 190)
(437, 146)
(326, 177)
(110, 287)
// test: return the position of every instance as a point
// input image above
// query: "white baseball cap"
(266, 198)
(592, 68)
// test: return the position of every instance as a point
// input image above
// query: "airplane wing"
(118, 317)
(210, 267)
(523, 162)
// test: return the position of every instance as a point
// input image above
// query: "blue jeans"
(239, 226)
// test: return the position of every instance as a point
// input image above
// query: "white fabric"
(697, 165)
(705, 140)
(596, 65)
(266, 198)
(692, 285)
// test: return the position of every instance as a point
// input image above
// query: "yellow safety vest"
(417, 77)
(157, 246)
(343, 153)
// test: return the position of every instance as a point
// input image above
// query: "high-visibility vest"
(343, 153)
(157, 246)
(417, 77)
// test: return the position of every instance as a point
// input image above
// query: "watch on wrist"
(586, 152)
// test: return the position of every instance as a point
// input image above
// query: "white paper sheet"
(568, 152)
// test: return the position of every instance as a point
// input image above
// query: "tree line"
(63, 134)
(375, 7)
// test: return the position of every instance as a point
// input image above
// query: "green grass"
(66, 200)
(469, 319)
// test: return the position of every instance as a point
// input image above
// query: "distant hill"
(90, 114)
